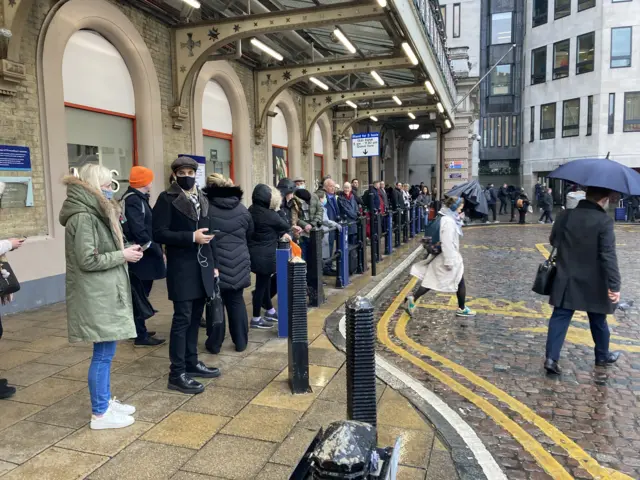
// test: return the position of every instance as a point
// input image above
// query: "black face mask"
(186, 183)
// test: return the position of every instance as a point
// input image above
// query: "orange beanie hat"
(140, 177)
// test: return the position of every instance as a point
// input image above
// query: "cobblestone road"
(585, 424)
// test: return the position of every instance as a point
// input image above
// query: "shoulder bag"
(547, 270)
(8, 281)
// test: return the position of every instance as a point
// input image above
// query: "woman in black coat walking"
(181, 222)
(268, 226)
(235, 227)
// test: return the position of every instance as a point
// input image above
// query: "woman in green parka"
(97, 284)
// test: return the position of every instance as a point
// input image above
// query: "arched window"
(344, 155)
(99, 105)
(279, 146)
(217, 130)
(318, 154)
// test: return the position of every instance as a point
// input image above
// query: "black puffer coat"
(268, 226)
(236, 227)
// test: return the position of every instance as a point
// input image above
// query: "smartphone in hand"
(146, 246)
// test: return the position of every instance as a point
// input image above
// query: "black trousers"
(559, 325)
(183, 341)
(513, 211)
(523, 215)
(233, 302)
(492, 208)
(140, 321)
(503, 207)
(262, 294)
(1, 327)
(546, 216)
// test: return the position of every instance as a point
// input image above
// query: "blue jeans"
(100, 376)
(559, 324)
(305, 244)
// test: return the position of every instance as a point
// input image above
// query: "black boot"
(6, 391)
(185, 384)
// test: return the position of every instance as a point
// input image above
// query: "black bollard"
(361, 362)
(314, 272)
(298, 338)
(362, 245)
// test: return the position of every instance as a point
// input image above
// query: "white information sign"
(365, 144)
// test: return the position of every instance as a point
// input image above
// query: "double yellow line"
(530, 444)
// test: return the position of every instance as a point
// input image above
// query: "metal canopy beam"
(344, 120)
(270, 82)
(193, 44)
(316, 105)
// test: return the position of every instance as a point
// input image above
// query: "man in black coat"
(397, 197)
(137, 228)
(181, 222)
(587, 277)
(385, 197)
(492, 199)
(503, 196)
(546, 204)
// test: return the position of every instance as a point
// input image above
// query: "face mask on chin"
(186, 183)
(108, 194)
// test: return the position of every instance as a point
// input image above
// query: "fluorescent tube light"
(375, 119)
(447, 123)
(429, 87)
(345, 41)
(397, 100)
(192, 3)
(322, 85)
(377, 77)
(412, 116)
(258, 44)
(440, 107)
(351, 104)
(412, 56)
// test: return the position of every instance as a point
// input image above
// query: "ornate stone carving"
(11, 74)
(259, 135)
(179, 115)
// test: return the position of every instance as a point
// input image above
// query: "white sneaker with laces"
(111, 420)
(121, 408)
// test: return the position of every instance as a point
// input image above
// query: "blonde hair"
(95, 175)
(218, 180)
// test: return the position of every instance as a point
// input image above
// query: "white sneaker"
(121, 408)
(111, 419)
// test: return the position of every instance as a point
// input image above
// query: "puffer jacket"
(232, 218)
(268, 226)
(97, 283)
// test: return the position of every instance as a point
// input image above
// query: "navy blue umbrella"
(473, 195)
(600, 172)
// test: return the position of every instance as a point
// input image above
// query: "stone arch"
(327, 144)
(222, 72)
(107, 20)
(286, 102)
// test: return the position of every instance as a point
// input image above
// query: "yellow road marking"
(544, 458)
(581, 336)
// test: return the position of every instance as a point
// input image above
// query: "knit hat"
(140, 177)
(182, 162)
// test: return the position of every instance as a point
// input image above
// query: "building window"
(589, 114)
(501, 80)
(548, 121)
(500, 28)
(532, 124)
(586, 49)
(612, 113)
(539, 65)
(318, 166)
(280, 165)
(571, 118)
(621, 47)
(514, 131)
(586, 4)
(485, 132)
(540, 12)
(499, 131)
(218, 152)
(562, 9)
(443, 14)
(631, 112)
(492, 129)
(561, 59)
(507, 131)
(456, 20)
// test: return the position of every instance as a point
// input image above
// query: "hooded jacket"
(234, 221)
(97, 282)
(268, 226)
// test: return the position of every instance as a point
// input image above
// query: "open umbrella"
(473, 195)
(600, 172)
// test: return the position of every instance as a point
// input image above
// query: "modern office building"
(581, 85)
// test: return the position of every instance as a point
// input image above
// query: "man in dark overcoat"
(587, 278)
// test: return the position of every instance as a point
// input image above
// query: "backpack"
(431, 241)
(520, 203)
(487, 195)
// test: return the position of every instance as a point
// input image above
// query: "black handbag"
(547, 270)
(10, 284)
(214, 314)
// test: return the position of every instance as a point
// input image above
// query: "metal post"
(412, 219)
(362, 242)
(361, 362)
(283, 254)
(397, 227)
(372, 238)
(405, 225)
(342, 278)
(297, 326)
(316, 290)
(378, 236)
(389, 237)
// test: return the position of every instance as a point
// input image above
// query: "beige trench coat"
(433, 272)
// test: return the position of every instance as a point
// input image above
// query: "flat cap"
(299, 179)
(182, 162)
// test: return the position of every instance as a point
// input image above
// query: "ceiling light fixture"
(425, 136)
(440, 107)
(377, 77)
(447, 123)
(322, 85)
(351, 104)
(258, 44)
(397, 100)
(414, 126)
(192, 3)
(382, 3)
(412, 56)
(375, 119)
(429, 87)
(412, 116)
(345, 41)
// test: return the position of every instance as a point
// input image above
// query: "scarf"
(455, 216)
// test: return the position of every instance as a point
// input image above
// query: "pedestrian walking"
(522, 204)
(138, 229)
(503, 196)
(587, 277)
(234, 227)
(492, 199)
(546, 204)
(269, 225)
(98, 294)
(444, 272)
(181, 223)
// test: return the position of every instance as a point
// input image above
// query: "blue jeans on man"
(100, 376)
(559, 324)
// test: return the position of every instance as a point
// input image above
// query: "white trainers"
(121, 408)
(110, 420)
